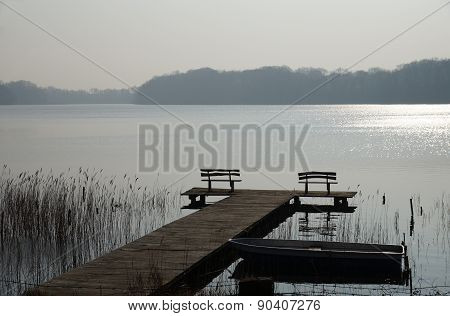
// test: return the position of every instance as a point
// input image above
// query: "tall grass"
(50, 223)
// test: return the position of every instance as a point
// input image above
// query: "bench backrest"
(210, 173)
(305, 176)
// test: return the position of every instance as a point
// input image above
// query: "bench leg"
(328, 188)
(209, 185)
(232, 186)
(202, 200)
(306, 187)
(296, 201)
(193, 199)
(337, 201)
(340, 202)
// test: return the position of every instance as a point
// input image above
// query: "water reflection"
(319, 272)
(324, 226)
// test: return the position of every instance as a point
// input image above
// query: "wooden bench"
(327, 177)
(220, 175)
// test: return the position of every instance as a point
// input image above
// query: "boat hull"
(323, 257)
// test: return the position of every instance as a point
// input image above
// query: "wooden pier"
(183, 256)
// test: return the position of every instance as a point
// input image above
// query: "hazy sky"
(138, 39)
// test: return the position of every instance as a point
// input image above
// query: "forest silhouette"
(426, 81)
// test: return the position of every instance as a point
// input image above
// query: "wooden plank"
(318, 182)
(219, 174)
(317, 173)
(222, 180)
(209, 170)
(300, 193)
(317, 177)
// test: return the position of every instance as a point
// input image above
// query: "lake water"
(401, 151)
(378, 146)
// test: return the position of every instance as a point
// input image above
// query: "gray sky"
(138, 39)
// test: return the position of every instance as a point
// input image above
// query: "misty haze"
(221, 148)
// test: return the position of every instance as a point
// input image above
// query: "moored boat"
(320, 254)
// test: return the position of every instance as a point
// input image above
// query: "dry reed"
(50, 223)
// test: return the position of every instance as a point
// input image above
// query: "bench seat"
(328, 177)
(220, 175)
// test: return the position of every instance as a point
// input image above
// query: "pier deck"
(161, 259)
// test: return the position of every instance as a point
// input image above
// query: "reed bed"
(50, 223)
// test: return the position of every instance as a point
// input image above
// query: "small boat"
(316, 249)
(320, 255)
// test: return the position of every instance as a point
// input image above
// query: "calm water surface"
(401, 151)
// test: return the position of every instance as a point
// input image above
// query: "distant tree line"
(24, 92)
(426, 81)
